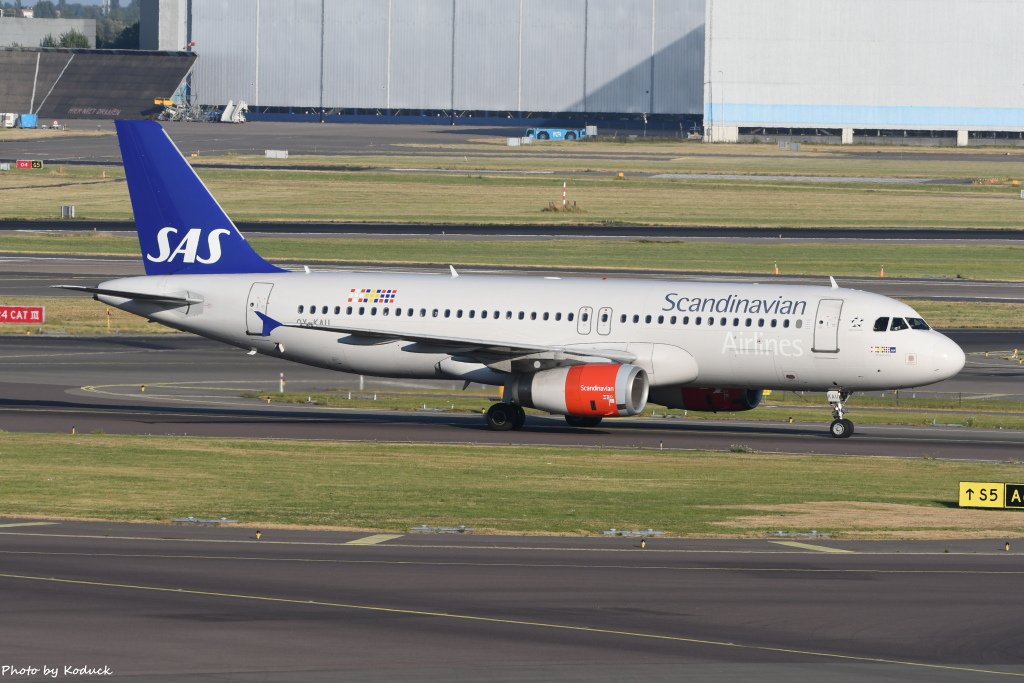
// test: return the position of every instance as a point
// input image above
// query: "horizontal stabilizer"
(182, 298)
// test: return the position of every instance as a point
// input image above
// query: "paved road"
(193, 386)
(215, 604)
(563, 231)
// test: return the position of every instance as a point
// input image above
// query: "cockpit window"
(881, 325)
(918, 324)
(898, 324)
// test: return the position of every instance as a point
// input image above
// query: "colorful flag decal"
(372, 296)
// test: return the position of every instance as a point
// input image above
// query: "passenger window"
(622, 318)
(586, 317)
(881, 325)
(711, 321)
(918, 324)
(362, 310)
(661, 320)
(508, 315)
(385, 311)
(483, 314)
(636, 318)
(749, 322)
(570, 317)
(799, 324)
(647, 319)
(533, 315)
(558, 316)
(301, 308)
(672, 320)
(760, 322)
(725, 321)
(423, 313)
(898, 324)
(337, 310)
(323, 311)
(409, 312)
(785, 323)
(398, 312)
(548, 315)
(373, 310)
(775, 323)
(686, 320)
(447, 312)
(522, 316)
(348, 310)
(434, 312)
(458, 313)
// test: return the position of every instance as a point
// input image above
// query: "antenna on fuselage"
(455, 273)
(833, 281)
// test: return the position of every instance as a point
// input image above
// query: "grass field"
(491, 198)
(492, 489)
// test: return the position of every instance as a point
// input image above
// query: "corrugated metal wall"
(494, 55)
(904, 64)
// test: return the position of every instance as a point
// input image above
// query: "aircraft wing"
(467, 346)
(182, 298)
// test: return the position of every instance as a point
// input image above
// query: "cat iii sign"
(31, 315)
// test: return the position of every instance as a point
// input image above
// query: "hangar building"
(848, 68)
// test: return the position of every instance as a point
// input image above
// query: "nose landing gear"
(841, 428)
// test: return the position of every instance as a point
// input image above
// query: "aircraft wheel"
(519, 419)
(841, 429)
(583, 421)
(501, 417)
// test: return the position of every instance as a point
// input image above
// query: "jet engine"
(595, 389)
(707, 400)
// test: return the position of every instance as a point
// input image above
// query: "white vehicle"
(583, 348)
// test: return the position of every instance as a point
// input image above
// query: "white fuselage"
(722, 335)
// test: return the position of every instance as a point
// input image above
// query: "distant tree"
(127, 39)
(45, 10)
(62, 7)
(48, 41)
(73, 38)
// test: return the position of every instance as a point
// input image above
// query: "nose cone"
(947, 358)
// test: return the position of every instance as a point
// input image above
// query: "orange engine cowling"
(596, 389)
(719, 400)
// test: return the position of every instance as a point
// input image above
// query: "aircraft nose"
(947, 357)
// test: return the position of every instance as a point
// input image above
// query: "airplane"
(583, 348)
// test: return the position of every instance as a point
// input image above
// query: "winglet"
(269, 324)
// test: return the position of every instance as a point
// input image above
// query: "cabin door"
(259, 295)
(826, 326)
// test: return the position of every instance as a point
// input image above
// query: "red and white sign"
(27, 163)
(30, 315)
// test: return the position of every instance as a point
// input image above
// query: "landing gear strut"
(502, 417)
(841, 428)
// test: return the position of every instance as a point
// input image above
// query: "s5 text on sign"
(981, 494)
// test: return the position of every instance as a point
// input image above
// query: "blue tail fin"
(181, 227)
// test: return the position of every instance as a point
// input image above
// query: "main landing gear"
(841, 428)
(502, 417)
